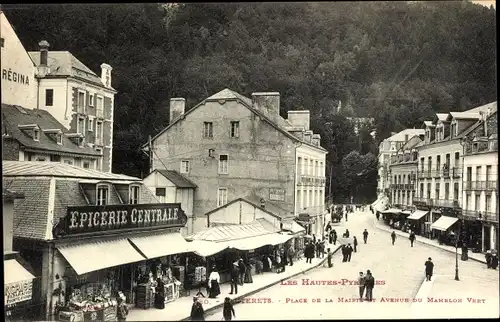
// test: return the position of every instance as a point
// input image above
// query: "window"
(99, 104)
(422, 161)
(428, 191)
(223, 164)
(467, 201)
(98, 134)
(406, 137)
(86, 164)
(184, 166)
(161, 193)
(221, 197)
(91, 125)
(438, 187)
(438, 162)
(208, 128)
(479, 175)
(55, 158)
(2, 42)
(81, 100)
(41, 159)
(68, 162)
(488, 203)
(36, 135)
(49, 97)
(457, 159)
(478, 200)
(447, 191)
(99, 164)
(299, 166)
(455, 191)
(81, 125)
(488, 173)
(235, 129)
(59, 139)
(91, 100)
(134, 195)
(102, 195)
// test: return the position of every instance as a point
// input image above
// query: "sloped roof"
(270, 208)
(56, 169)
(277, 122)
(441, 116)
(428, 123)
(231, 232)
(178, 179)
(64, 63)
(483, 108)
(13, 116)
(463, 116)
(399, 137)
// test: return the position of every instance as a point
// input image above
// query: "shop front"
(417, 221)
(18, 289)
(445, 233)
(102, 253)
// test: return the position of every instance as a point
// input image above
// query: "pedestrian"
(346, 215)
(309, 252)
(248, 273)
(278, 263)
(235, 273)
(349, 252)
(330, 237)
(488, 258)
(346, 233)
(228, 310)
(429, 268)
(330, 255)
(355, 244)
(412, 238)
(284, 261)
(122, 311)
(377, 215)
(160, 294)
(197, 311)
(242, 267)
(369, 284)
(344, 253)
(318, 248)
(314, 238)
(328, 227)
(291, 254)
(334, 237)
(494, 261)
(393, 237)
(361, 283)
(365, 235)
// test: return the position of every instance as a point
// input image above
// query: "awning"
(418, 214)
(392, 211)
(206, 248)
(97, 255)
(443, 223)
(294, 227)
(15, 272)
(258, 241)
(406, 212)
(158, 245)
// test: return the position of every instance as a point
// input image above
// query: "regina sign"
(90, 219)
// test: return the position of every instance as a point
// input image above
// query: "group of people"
(198, 313)
(314, 248)
(366, 283)
(240, 274)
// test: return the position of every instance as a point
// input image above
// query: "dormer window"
(102, 194)
(59, 139)
(134, 192)
(453, 128)
(36, 134)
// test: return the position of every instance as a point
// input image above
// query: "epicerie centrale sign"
(18, 292)
(89, 219)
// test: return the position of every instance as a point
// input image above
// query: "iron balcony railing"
(480, 215)
(446, 203)
(425, 201)
(456, 172)
(446, 171)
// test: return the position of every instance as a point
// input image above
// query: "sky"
(486, 3)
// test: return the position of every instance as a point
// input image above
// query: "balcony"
(456, 172)
(423, 201)
(480, 215)
(409, 186)
(475, 185)
(446, 171)
(446, 203)
(491, 185)
(437, 173)
(304, 180)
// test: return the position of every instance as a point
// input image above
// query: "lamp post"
(456, 253)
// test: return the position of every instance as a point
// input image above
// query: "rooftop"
(232, 232)
(56, 169)
(178, 179)
(400, 137)
(13, 116)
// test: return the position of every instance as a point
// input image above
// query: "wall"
(60, 101)
(399, 170)
(241, 212)
(173, 195)
(8, 224)
(19, 86)
(261, 158)
(10, 150)
(310, 197)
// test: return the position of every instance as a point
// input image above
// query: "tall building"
(231, 147)
(387, 148)
(441, 168)
(60, 84)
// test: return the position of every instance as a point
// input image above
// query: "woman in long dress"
(160, 294)
(213, 282)
(248, 273)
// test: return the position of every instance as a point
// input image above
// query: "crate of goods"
(144, 296)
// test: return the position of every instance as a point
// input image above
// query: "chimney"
(300, 118)
(268, 103)
(308, 136)
(43, 68)
(177, 107)
(316, 139)
(106, 75)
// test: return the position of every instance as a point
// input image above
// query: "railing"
(437, 173)
(446, 171)
(447, 203)
(410, 186)
(304, 180)
(481, 215)
(491, 185)
(457, 172)
(475, 185)
(426, 201)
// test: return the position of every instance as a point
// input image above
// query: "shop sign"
(89, 219)
(18, 292)
(277, 194)
(13, 76)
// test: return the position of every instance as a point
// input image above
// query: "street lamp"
(456, 254)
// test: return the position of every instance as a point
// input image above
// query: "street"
(398, 271)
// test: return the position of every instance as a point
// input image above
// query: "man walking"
(242, 270)
(355, 244)
(344, 253)
(291, 253)
(349, 252)
(429, 268)
(365, 235)
(235, 273)
(361, 283)
(334, 237)
(393, 237)
(369, 284)
(412, 238)
(346, 215)
(330, 255)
